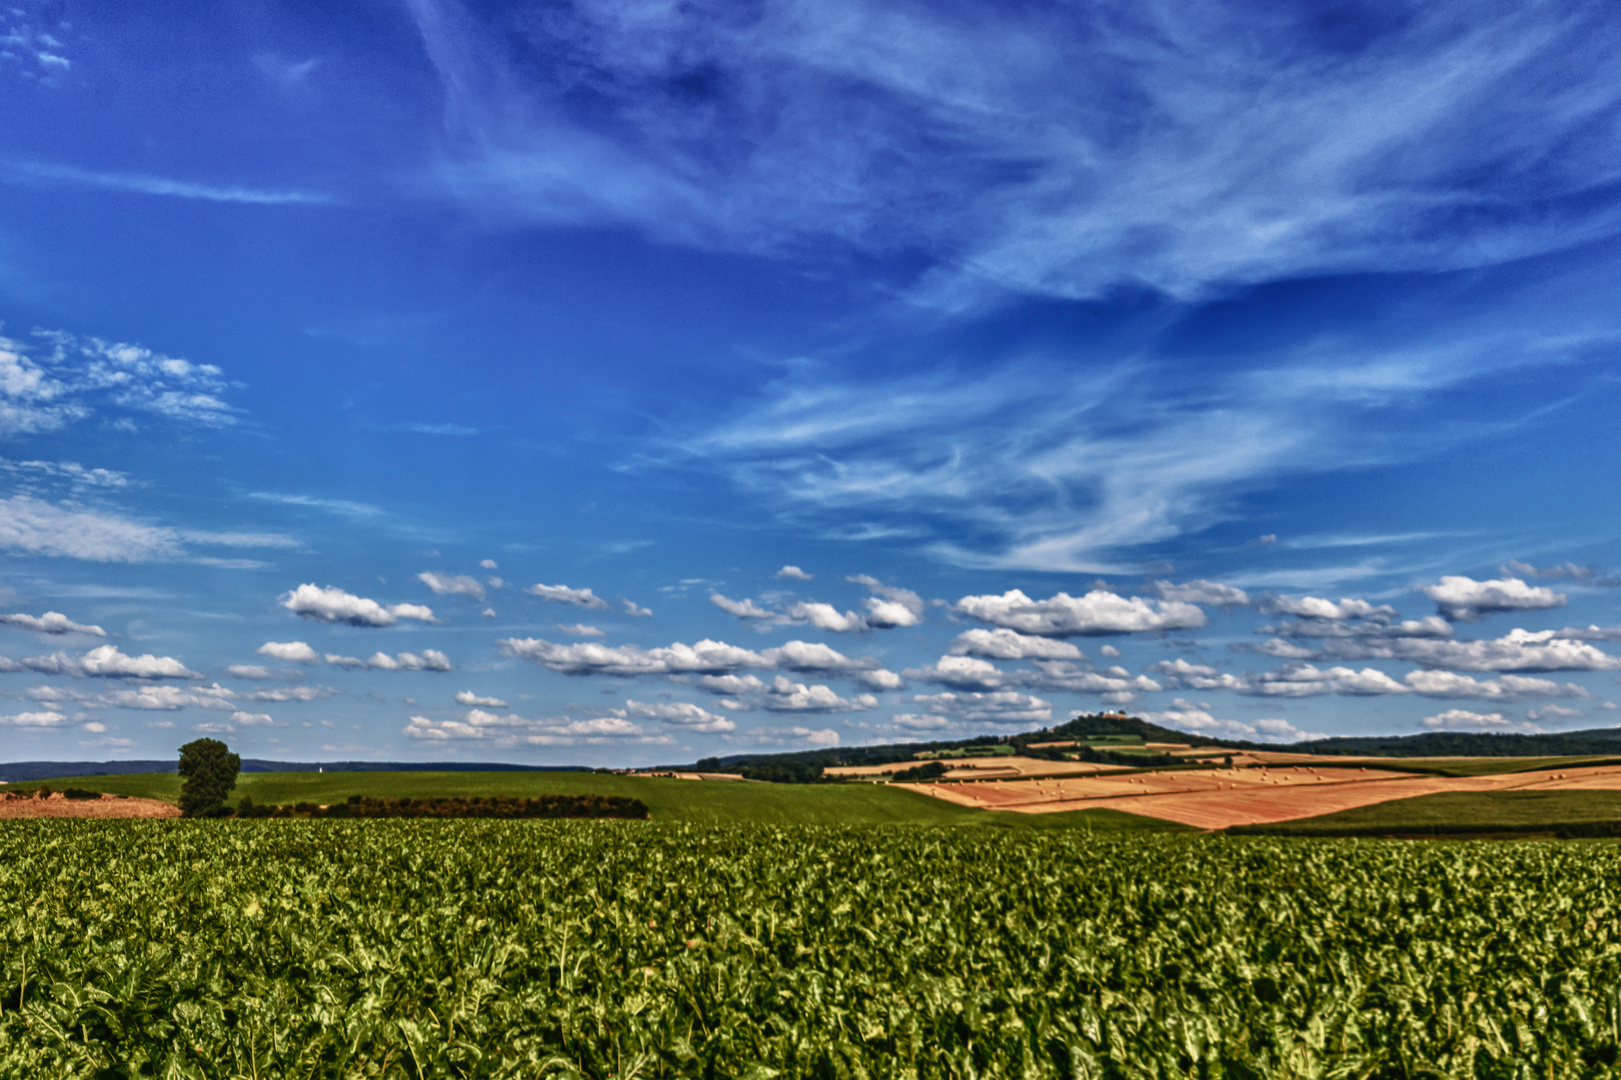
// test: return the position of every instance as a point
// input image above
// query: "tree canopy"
(209, 770)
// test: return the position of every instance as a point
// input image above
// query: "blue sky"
(627, 383)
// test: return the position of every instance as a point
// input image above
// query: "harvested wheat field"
(1218, 798)
(108, 806)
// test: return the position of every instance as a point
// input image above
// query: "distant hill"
(17, 772)
(1597, 741)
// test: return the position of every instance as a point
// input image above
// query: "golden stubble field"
(1218, 798)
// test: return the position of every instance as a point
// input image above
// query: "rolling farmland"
(505, 949)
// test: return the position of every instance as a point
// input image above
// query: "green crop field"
(628, 949)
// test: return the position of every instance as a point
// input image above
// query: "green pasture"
(710, 801)
(1476, 812)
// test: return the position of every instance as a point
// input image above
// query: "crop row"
(508, 949)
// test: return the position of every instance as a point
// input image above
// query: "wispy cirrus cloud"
(48, 174)
(1056, 151)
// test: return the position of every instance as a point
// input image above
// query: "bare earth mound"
(108, 806)
(1219, 798)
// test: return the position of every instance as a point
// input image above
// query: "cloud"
(742, 609)
(889, 606)
(1314, 608)
(1098, 612)
(296, 652)
(974, 674)
(789, 736)
(562, 594)
(52, 622)
(247, 719)
(879, 679)
(339, 661)
(508, 731)
(1463, 599)
(587, 658)
(467, 697)
(1590, 633)
(1004, 644)
(427, 660)
(995, 707)
(259, 671)
(1450, 684)
(1518, 650)
(1304, 680)
(107, 662)
(1584, 575)
(34, 719)
(1378, 626)
(1069, 152)
(1183, 674)
(172, 697)
(1464, 720)
(1554, 712)
(1187, 716)
(293, 693)
(32, 527)
(333, 605)
(67, 176)
(633, 610)
(678, 714)
(795, 573)
(452, 584)
(1202, 592)
(784, 695)
(826, 617)
(580, 630)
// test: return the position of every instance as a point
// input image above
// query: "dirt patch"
(108, 806)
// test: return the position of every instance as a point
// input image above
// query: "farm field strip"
(1217, 799)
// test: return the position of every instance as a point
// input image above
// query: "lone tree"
(209, 769)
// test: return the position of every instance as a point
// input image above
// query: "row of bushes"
(500, 806)
(44, 792)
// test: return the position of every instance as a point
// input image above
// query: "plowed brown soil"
(1223, 797)
(108, 806)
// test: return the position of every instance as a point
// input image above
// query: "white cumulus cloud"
(52, 622)
(562, 594)
(1463, 599)
(1005, 644)
(107, 662)
(452, 584)
(1202, 592)
(1098, 612)
(1464, 720)
(296, 652)
(467, 697)
(795, 573)
(333, 605)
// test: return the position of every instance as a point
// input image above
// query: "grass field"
(1463, 812)
(718, 802)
